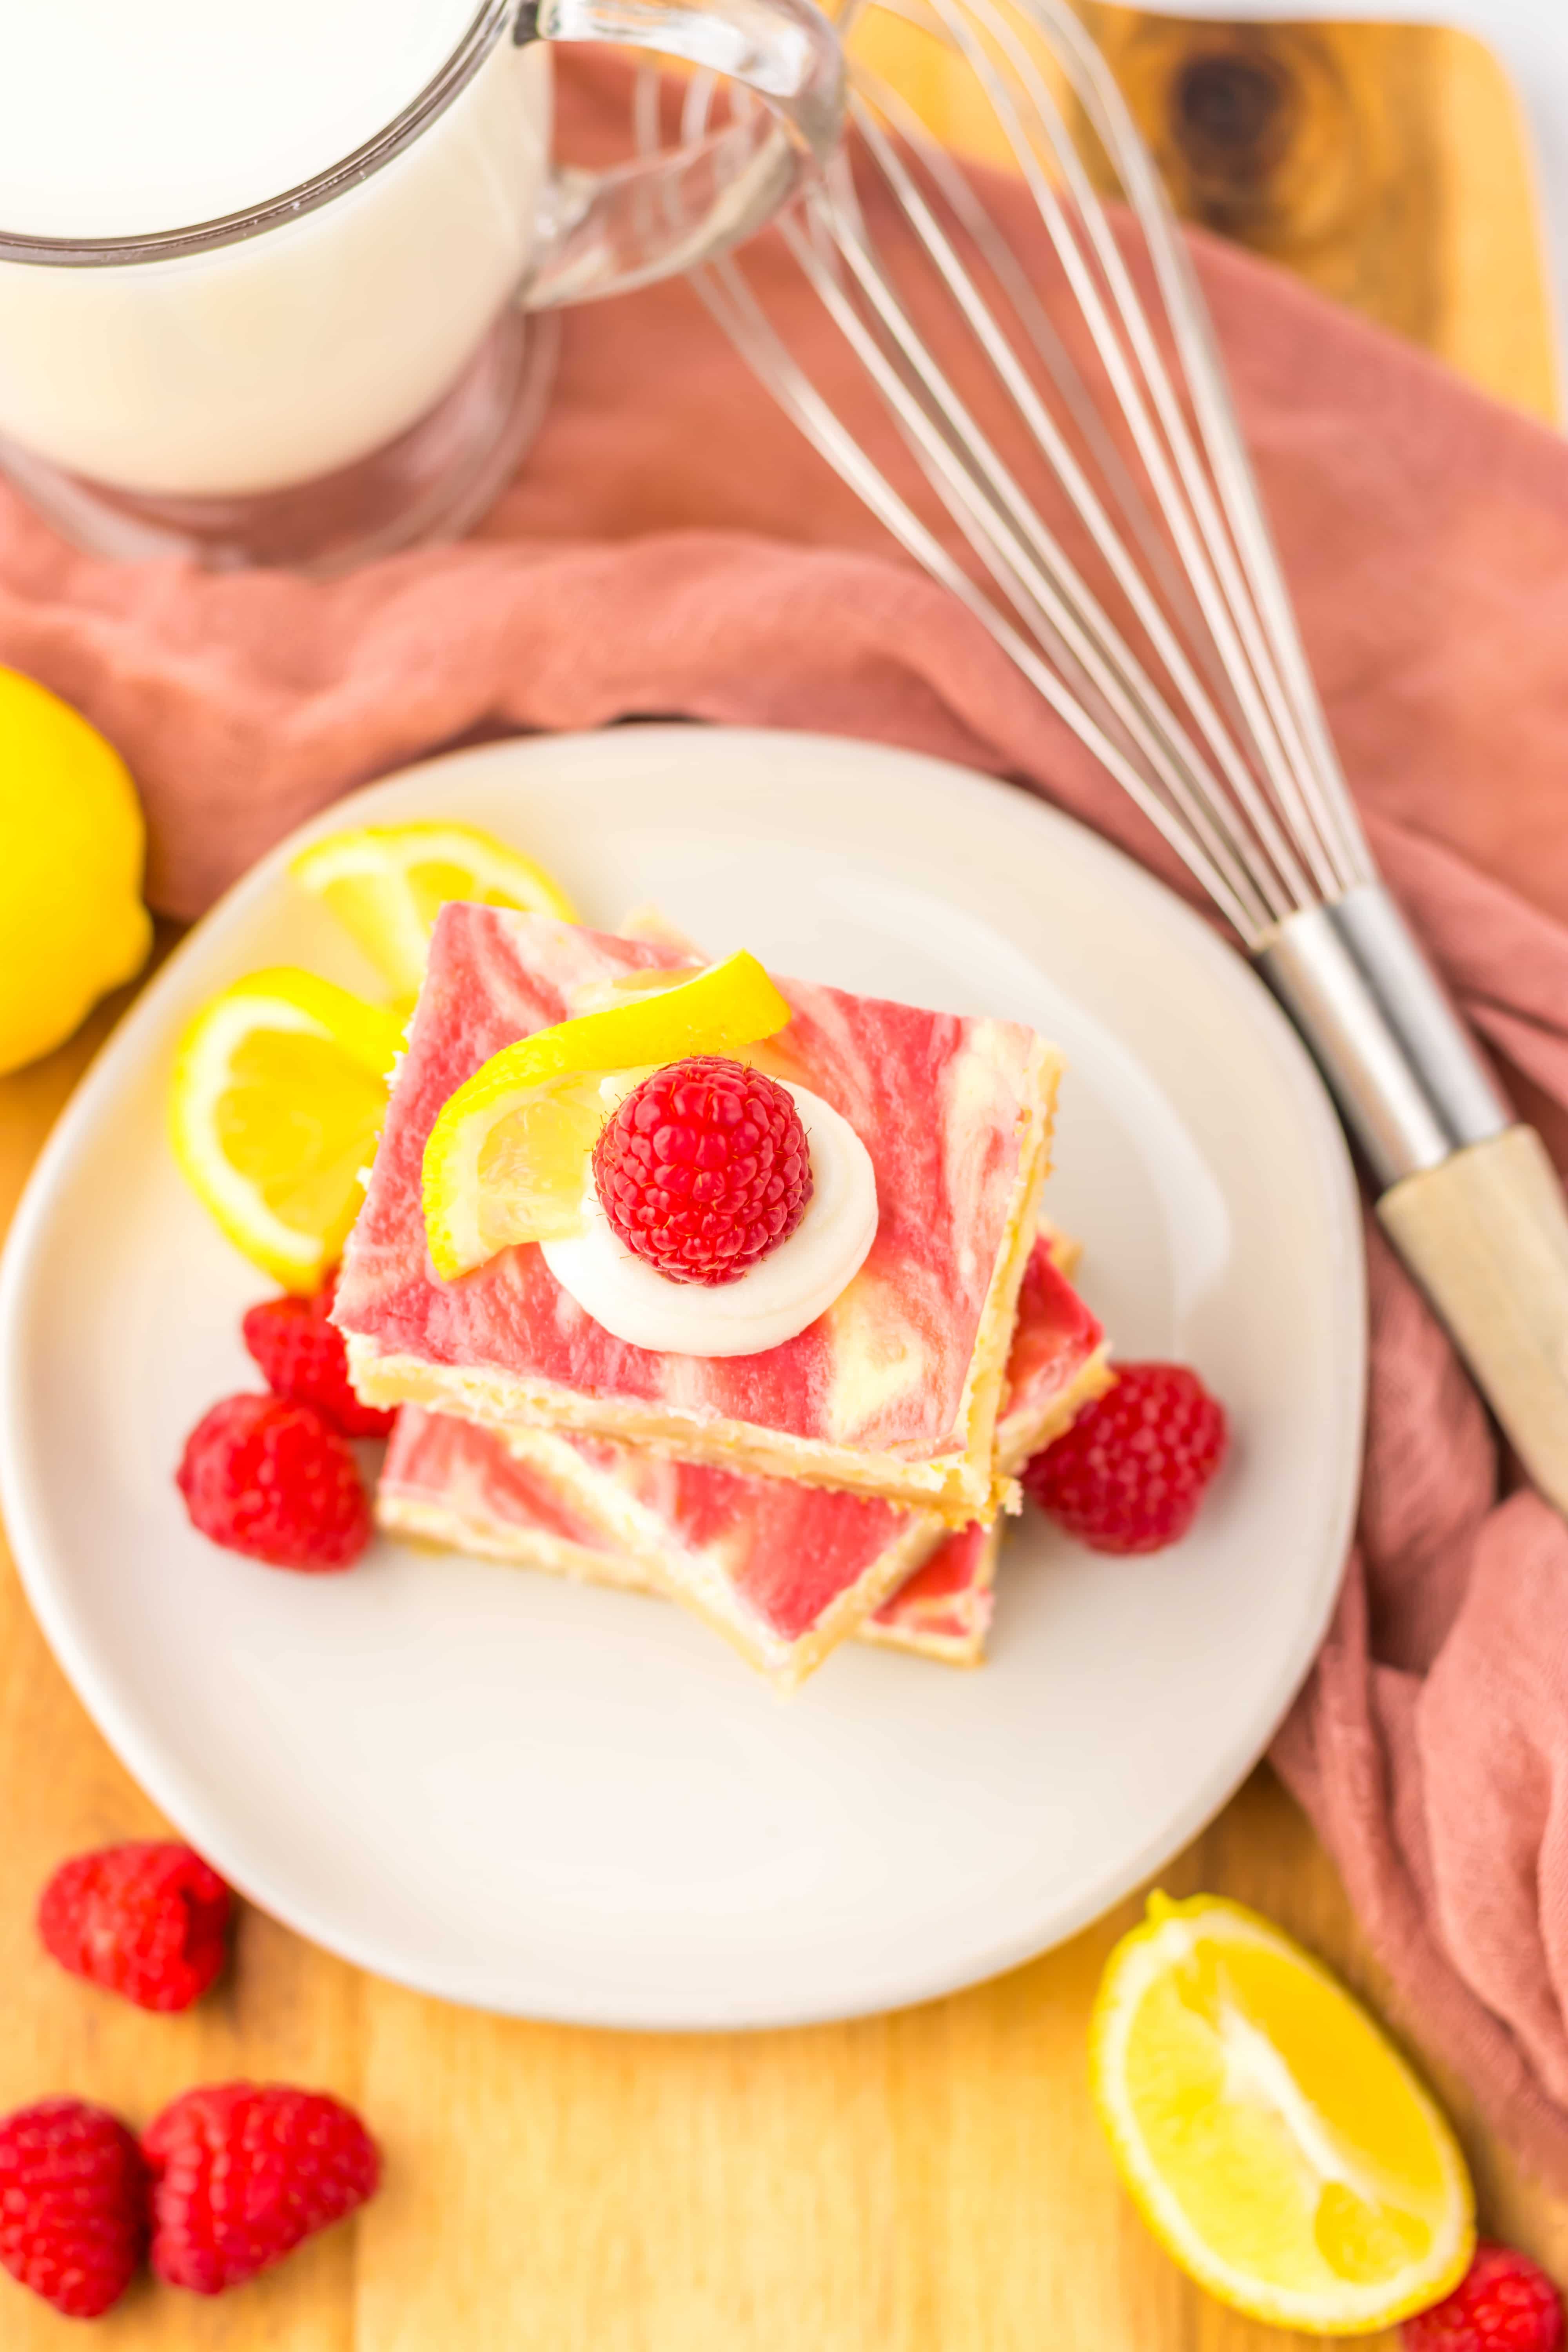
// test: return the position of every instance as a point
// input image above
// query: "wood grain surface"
(931, 2182)
(1385, 164)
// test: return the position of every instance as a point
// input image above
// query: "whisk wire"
(725, 291)
(963, 465)
(1187, 313)
(1130, 352)
(1191, 684)
(1092, 513)
(979, 226)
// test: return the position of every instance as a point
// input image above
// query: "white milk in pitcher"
(265, 363)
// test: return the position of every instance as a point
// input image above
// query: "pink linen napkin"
(672, 547)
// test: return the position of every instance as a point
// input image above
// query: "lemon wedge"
(1276, 2143)
(279, 1093)
(505, 1160)
(386, 884)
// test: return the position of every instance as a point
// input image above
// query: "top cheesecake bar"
(892, 1392)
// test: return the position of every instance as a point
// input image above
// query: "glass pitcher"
(357, 364)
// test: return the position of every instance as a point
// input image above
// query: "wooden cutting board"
(927, 2182)
(1385, 164)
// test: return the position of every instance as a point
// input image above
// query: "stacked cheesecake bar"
(847, 1482)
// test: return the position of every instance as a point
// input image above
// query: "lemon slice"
(386, 884)
(279, 1093)
(504, 1162)
(1276, 2143)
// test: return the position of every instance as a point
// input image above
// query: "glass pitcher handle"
(605, 232)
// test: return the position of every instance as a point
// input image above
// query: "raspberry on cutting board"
(1127, 1476)
(274, 1481)
(73, 2204)
(148, 1920)
(704, 1170)
(300, 1355)
(243, 2172)
(1504, 2303)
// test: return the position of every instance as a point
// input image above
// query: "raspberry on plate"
(1504, 2303)
(300, 1355)
(146, 1919)
(242, 2172)
(1129, 1476)
(704, 1170)
(73, 2204)
(274, 1481)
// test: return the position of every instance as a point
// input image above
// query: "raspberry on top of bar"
(893, 1391)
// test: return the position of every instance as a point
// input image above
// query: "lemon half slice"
(387, 883)
(279, 1093)
(505, 1159)
(1276, 2143)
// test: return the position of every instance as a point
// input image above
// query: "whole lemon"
(72, 841)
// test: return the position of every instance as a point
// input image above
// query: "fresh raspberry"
(302, 1357)
(274, 1481)
(1504, 2303)
(1131, 1472)
(146, 1919)
(242, 2172)
(73, 2204)
(704, 1170)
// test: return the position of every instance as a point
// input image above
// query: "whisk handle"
(1470, 1200)
(1486, 1234)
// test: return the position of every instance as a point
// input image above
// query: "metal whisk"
(1121, 557)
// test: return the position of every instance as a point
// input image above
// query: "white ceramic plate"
(579, 1804)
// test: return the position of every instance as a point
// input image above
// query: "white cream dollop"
(790, 1288)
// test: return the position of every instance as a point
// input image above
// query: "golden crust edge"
(500, 1403)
